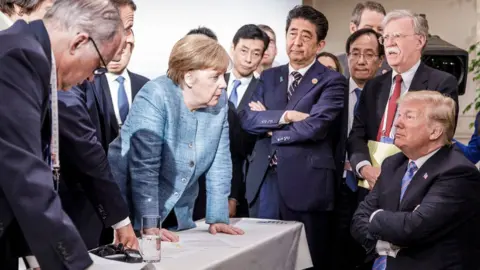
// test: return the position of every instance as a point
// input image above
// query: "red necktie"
(391, 108)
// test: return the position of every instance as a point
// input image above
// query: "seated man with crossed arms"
(424, 211)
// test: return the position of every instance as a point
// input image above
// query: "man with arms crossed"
(424, 211)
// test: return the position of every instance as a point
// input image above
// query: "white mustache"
(392, 50)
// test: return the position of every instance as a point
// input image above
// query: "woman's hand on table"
(169, 236)
(224, 228)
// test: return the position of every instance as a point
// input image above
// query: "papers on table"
(378, 153)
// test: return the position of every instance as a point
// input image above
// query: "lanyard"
(54, 148)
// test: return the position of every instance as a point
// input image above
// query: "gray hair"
(100, 19)
(420, 27)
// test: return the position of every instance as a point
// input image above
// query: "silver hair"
(100, 19)
(419, 25)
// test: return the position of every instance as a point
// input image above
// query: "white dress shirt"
(113, 84)
(302, 71)
(241, 89)
(352, 100)
(407, 78)
(5, 21)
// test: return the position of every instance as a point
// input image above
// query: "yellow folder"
(378, 153)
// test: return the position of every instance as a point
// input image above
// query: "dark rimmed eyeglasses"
(99, 70)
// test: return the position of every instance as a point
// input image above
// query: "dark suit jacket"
(87, 185)
(89, 193)
(241, 142)
(374, 99)
(27, 196)
(100, 105)
(442, 233)
(305, 150)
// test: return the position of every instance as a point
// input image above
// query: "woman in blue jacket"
(176, 131)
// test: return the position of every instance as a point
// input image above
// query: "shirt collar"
(302, 70)
(6, 19)
(421, 160)
(113, 77)
(243, 80)
(407, 76)
(352, 85)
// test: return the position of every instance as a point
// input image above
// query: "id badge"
(385, 139)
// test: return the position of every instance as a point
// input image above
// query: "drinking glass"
(151, 242)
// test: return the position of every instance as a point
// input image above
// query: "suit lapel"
(248, 93)
(420, 79)
(384, 92)
(422, 178)
(108, 102)
(280, 90)
(134, 83)
(394, 186)
(308, 81)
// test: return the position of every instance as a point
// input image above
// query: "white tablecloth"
(266, 244)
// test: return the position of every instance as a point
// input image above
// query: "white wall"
(161, 23)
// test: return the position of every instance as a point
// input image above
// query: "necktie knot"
(236, 84)
(358, 91)
(412, 167)
(120, 79)
(398, 79)
(296, 75)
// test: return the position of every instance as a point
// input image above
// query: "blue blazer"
(162, 150)
(306, 150)
(472, 150)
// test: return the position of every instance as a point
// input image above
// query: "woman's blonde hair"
(196, 52)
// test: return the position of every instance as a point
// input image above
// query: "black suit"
(442, 233)
(30, 210)
(241, 145)
(89, 193)
(374, 99)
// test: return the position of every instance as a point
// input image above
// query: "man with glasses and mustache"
(404, 37)
(36, 59)
(89, 194)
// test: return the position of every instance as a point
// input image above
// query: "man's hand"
(295, 116)
(165, 235)
(224, 228)
(370, 174)
(126, 236)
(256, 106)
(232, 207)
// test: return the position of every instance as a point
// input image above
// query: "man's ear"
(80, 40)
(352, 27)
(320, 46)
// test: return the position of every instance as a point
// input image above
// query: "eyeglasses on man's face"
(393, 37)
(99, 70)
(355, 56)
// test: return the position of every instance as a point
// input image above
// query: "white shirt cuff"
(360, 165)
(121, 224)
(373, 214)
(32, 262)
(282, 119)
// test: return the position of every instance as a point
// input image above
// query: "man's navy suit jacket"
(89, 193)
(306, 150)
(27, 195)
